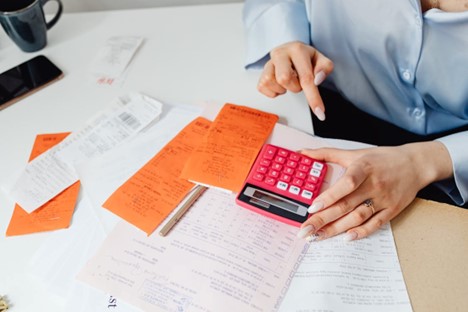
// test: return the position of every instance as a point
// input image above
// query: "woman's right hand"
(296, 67)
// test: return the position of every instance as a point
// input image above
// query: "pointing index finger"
(305, 72)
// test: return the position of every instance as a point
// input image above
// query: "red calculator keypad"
(287, 173)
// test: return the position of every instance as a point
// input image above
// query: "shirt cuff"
(457, 188)
(275, 26)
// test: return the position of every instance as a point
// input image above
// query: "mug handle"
(57, 15)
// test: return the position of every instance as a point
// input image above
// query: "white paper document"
(113, 58)
(360, 276)
(64, 253)
(53, 171)
(221, 257)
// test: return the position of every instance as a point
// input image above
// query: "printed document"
(53, 171)
(230, 147)
(219, 255)
(56, 213)
(361, 276)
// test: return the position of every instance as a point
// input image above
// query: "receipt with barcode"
(53, 171)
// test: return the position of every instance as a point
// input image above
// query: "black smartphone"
(26, 78)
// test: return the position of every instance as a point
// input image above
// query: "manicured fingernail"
(316, 206)
(312, 238)
(319, 78)
(350, 236)
(319, 113)
(305, 230)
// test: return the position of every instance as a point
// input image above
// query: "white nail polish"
(311, 238)
(319, 113)
(350, 236)
(316, 206)
(319, 78)
(304, 231)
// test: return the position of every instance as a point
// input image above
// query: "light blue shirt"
(391, 60)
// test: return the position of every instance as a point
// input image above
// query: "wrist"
(432, 161)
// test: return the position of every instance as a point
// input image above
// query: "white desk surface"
(190, 55)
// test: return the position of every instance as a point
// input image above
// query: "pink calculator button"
(285, 177)
(301, 175)
(306, 161)
(277, 167)
(295, 157)
(309, 186)
(283, 153)
(270, 152)
(280, 159)
(273, 173)
(258, 176)
(297, 182)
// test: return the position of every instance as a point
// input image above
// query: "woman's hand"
(386, 178)
(296, 67)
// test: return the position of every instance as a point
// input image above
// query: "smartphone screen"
(22, 80)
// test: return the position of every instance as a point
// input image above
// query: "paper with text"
(148, 197)
(358, 276)
(218, 256)
(230, 147)
(113, 58)
(60, 257)
(335, 276)
(55, 214)
(53, 171)
(102, 175)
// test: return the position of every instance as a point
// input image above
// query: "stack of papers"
(219, 255)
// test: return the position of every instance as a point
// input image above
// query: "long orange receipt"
(229, 149)
(150, 195)
(56, 213)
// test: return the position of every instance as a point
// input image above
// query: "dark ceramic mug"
(25, 23)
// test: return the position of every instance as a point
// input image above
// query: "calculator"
(282, 184)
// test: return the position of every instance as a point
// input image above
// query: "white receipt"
(114, 57)
(53, 171)
(219, 257)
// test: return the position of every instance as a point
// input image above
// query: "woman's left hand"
(378, 184)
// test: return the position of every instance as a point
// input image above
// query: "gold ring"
(369, 203)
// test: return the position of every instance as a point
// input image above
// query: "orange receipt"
(150, 195)
(56, 213)
(230, 147)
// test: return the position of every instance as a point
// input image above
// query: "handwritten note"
(220, 256)
(229, 149)
(148, 197)
(55, 214)
(53, 171)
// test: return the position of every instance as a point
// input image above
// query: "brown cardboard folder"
(432, 244)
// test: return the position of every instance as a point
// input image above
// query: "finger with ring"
(369, 203)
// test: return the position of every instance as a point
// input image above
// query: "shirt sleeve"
(457, 146)
(270, 23)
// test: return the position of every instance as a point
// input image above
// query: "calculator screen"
(275, 201)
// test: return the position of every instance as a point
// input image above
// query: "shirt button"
(406, 75)
(417, 20)
(417, 113)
